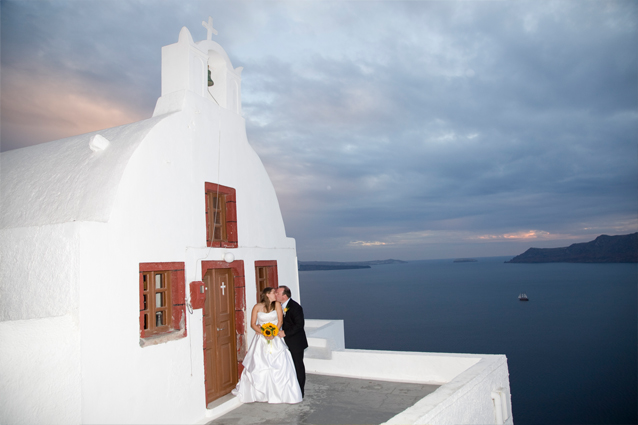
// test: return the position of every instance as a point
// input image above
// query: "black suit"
(295, 338)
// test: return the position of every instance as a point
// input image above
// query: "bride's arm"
(253, 319)
(280, 314)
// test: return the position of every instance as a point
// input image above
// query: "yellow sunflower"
(269, 329)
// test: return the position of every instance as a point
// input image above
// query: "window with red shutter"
(162, 299)
(221, 216)
(265, 276)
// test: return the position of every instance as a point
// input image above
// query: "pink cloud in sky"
(526, 234)
(37, 110)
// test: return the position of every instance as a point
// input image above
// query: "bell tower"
(203, 68)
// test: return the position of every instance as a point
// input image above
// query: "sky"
(390, 129)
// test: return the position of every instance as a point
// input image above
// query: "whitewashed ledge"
(474, 388)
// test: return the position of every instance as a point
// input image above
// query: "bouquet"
(268, 330)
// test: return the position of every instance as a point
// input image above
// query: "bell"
(210, 80)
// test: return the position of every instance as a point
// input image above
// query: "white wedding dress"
(269, 374)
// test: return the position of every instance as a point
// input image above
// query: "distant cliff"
(335, 265)
(603, 249)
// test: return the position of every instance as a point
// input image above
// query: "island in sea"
(335, 265)
(603, 249)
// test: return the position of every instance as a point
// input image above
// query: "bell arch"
(217, 81)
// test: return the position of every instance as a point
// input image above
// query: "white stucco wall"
(466, 399)
(39, 333)
(39, 271)
(40, 370)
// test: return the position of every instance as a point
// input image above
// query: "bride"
(269, 373)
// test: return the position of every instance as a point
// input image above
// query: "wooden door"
(220, 353)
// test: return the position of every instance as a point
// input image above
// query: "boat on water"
(523, 297)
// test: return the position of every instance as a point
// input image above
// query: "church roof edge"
(67, 180)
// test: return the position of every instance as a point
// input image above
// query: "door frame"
(239, 284)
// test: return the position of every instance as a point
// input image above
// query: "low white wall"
(467, 399)
(40, 370)
(395, 366)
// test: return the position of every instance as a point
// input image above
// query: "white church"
(131, 257)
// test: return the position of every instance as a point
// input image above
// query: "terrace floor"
(333, 400)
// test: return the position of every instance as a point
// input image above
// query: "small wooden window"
(162, 298)
(157, 302)
(221, 216)
(265, 275)
(262, 280)
(217, 219)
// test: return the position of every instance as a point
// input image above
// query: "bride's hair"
(270, 306)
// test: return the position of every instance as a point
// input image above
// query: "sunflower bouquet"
(269, 330)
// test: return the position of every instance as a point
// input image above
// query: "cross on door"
(223, 286)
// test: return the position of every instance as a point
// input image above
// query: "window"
(156, 302)
(221, 216)
(262, 279)
(162, 295)
(217, 206)
(265, 275)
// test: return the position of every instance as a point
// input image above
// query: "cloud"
(365, 243)
(533, 138)
(530, 234)
(64, 108)
(439, 127)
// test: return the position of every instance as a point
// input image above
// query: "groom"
(292, 331)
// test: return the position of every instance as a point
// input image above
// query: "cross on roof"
(209, 28)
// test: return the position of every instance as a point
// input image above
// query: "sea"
(572, 349)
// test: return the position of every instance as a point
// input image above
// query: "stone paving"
(333, 401)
